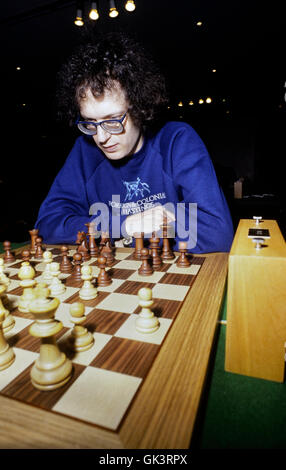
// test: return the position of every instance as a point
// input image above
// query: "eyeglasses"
(113, 126)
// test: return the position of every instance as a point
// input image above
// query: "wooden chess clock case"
(256, 302)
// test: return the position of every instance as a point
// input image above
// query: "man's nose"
(102, 135)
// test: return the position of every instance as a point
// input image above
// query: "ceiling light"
(93, 14)
(208, 100)
(130, 5)
(112, 9)
(201, 101)
(78, 20)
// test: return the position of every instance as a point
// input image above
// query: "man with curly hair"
(125, 172)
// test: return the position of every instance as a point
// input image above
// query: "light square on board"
(193, 269)
(69, 291)
(23, 359)
(14, 284)
(119, 303)
(129, 264)
(170, 292)
(20, 324)
(84, 357)
(110, 391)
(63, 314)
(121, 255)
(128, 330)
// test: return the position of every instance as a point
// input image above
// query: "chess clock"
(256, 301)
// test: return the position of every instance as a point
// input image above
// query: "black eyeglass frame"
(79, 124)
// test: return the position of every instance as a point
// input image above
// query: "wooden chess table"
(161, 409)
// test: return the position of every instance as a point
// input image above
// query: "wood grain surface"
(163, 413)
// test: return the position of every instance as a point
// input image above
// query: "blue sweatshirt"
(172, 169)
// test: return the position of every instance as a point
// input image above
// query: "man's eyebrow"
(108, 116)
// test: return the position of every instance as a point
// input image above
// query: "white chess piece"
(8, 319)
(47, 258)
(88, 291)
(7, 355)
(51, 369)
(26, 273)
(56, 286)
(146, 322)
(80, 338)
(4, 279)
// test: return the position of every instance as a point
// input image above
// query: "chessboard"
(117, 385)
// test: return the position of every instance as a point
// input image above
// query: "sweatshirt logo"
(135, 188)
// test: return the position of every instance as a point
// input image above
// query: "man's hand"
(148, 221)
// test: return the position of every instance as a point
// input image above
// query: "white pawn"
(9, 320)
(47, 258)
(80, 339)
(88, 291)
(26, 274)
(51, 369)
(146, 322)
(3, 278)
(56, 286)
(7, 355)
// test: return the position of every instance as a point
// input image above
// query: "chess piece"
(4, 279)
(56, 286)
(51, 369)
(139, 244)
(34, 234)
(145, 268)
(107, 252)
(88, 291)
(166, 249)
(48, 259)
(103, 240)
(80, 338)
(146, 322)
(155, 248)
(8, 257)
(183, 261)
(26, 275)
(66, 265)
(9, 320)
(26, 255)
(82, 246)
(7, 355)
(103, 278)
(93, 248)
(76, 272)
(39, 249)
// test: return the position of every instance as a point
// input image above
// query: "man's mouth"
(110, 148)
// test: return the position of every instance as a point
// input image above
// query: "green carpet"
(241, 412)
(14, 246)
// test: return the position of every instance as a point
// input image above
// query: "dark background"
(243, 128)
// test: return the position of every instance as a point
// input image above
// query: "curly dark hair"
(95, 66)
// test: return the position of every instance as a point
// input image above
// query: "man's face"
(112, 105)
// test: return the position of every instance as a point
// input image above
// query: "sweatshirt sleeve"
(65, 210)
(203, 217)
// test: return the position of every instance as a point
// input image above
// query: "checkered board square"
(106, 377)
